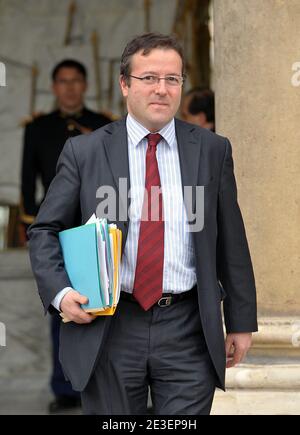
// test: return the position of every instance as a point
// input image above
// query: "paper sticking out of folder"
(92, 257)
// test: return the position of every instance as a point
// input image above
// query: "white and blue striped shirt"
(179, 272)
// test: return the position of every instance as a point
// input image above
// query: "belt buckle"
(164, 301)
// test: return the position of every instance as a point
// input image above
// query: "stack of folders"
(92, 256)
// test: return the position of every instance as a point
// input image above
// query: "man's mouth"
(158, 104)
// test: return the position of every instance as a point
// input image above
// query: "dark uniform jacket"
(43, 142)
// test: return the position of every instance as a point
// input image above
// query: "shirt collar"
(137, 132)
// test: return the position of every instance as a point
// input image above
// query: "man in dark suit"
(167, 331)
(43, 142)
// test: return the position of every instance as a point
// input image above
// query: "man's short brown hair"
(146, 43)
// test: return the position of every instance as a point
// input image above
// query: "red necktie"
(147, 288)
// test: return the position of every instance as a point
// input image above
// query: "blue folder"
(79, 247)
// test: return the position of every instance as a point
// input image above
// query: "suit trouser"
(163, 348)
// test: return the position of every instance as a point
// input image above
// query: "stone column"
(258, 108)
(257, 53)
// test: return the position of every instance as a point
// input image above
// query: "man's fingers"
(72, 299)
(238, 356)
(240, 343)
(229, 364)
(235, 358)
(81, 299)
(84, 320)
(228, 347)
(229, 352)
(80, 316)
(71, 308)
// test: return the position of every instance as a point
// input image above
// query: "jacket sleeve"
(57, 212)
(234, 265)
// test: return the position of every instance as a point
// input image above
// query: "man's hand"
(70, 307)
(237, 346)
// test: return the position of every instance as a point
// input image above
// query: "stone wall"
(258, 107)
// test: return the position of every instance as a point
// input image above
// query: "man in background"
(198, 107)
(43, 143)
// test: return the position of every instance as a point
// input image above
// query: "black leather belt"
(166, 300)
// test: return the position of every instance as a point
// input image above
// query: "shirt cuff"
(58, 298)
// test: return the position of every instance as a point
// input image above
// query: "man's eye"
(172, 79)
(149, 78)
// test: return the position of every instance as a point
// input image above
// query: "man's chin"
(71, 105)
(158, 123)
(161, 118)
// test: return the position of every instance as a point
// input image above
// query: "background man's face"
(153, 105)
(69, 88)
(198, 119)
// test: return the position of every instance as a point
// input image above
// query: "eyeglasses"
(154, 80)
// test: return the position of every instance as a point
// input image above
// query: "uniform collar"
(74, 115)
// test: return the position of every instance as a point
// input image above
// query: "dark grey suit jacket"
(223, 263)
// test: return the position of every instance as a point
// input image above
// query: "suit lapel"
(189, 150)
(116, 149)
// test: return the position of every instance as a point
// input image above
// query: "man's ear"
(123, 86)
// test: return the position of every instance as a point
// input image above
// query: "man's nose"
(161, 87)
